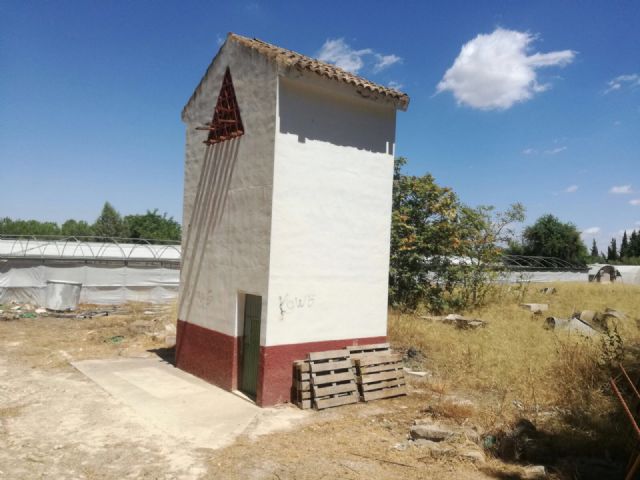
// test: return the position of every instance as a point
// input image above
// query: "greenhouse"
(108, 271)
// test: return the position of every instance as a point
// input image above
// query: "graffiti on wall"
(290, 303)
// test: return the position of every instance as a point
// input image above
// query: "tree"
(73, 228)
(594, 249)
(624, 246)
(109, 223)
(484, 231)
(443, 254)
(549, 237)
(424, 236)
(612, 251)
(152, 226)
(634, 244)
(149, 226)
(28, 227)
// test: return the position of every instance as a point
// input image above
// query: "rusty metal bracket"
(634, 460)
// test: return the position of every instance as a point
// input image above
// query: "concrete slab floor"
(185, 406)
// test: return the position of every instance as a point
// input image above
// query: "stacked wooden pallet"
(302, 384)
(328, 379)
(380, 375)
(357, 351)
(332, 379)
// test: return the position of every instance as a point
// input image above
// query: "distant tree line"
(149, 226)
(550, 237)
(628, 253)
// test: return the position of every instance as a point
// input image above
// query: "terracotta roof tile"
(293, 59)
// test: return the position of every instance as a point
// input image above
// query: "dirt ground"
(56, 423)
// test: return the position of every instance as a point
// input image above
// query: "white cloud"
(495, 71)
(385, 61)
(555, 151)
(621, 189)
(630, 80)
(338, 52)
(591, 231)
(529, 151)
(571, 189)
(638, 222)
(635, 202)
(395, 85)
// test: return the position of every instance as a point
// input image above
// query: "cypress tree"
(594, 249)
(612, 250)
(634, 244)
(624, 246)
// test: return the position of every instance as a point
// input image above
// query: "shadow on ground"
(168, 354)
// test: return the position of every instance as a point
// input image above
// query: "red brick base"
(210, 355)
(214, 356)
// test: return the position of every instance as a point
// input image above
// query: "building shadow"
(167, 354)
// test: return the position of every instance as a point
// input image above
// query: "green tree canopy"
(109, 223)
(149, 226)
(28, 227)
(152, 226)
(624, 246)
(442, 253)
(549, 237)
(612, 250)
(74, 228)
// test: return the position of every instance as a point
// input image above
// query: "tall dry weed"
(514, 367)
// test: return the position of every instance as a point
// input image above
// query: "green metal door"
(251, 344)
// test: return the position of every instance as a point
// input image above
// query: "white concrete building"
(287, 212)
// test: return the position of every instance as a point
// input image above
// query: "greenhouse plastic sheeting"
(25, 281)
(629, 274)
(544, 277)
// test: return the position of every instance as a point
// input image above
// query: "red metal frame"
(227, 122)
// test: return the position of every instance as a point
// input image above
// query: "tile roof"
(289, 58)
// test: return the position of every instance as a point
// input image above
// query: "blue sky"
(542, 106)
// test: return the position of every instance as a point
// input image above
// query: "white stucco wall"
(329, 254)
(227, 195)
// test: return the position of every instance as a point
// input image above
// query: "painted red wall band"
(210, 355)
(214, 357)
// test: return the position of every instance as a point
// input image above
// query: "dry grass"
(515, 368)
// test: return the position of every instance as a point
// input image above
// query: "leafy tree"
(109, 223)
(424, 236)
(152, 226)
(612, 251)
(73, 228)
(28, 227)
(594, 249)
(443, 254)
(549, 237)
(484, 231)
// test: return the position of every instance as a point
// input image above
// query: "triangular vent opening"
(226, 123)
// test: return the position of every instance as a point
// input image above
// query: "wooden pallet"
(333, 382)
(302, 384)
(357, 351)
(380, 375)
